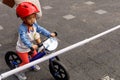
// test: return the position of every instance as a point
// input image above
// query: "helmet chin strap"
(28, 24)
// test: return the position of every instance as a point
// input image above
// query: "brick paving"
(94, 61)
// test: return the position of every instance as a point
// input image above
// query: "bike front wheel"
(58, 70)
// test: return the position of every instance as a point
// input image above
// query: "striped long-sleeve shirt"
(26, 37)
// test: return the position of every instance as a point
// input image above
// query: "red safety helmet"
(25, 9)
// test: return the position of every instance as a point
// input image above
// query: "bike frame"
(41, 54)
(38, 55)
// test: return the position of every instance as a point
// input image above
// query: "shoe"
(21, 76)
(35, 68)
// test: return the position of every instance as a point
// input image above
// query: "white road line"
(68, 17)
(1, 28)
(1, 3)
(107, 78)
(89, 3)
(47, 7)
(100, 11)
(4, 15)
(0, 45)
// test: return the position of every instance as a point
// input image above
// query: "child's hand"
(34, 46)
(54, 34)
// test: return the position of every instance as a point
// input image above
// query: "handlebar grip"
(32, 49)
(39, 45)
(56, 33)
(31, 52)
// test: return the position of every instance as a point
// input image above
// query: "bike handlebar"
(41, 44)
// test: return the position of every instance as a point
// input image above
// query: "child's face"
(30, 20)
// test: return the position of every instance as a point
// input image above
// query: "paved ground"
(74, 20)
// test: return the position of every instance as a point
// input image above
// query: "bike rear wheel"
(58, 70)
(12, 59)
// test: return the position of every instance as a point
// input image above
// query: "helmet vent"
(33, 5)
(25, 6)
